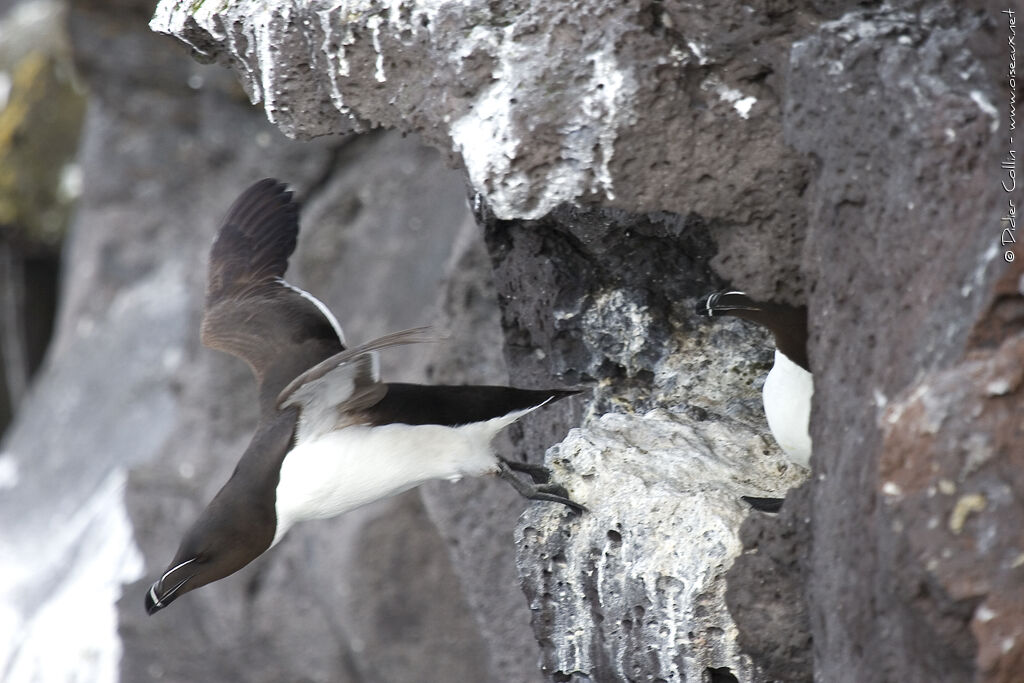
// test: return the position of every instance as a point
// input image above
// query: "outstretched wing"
(251, 312)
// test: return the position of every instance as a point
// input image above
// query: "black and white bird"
(789, 386)
(331, 435)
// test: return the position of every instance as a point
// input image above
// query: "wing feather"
(349, 370)
(347, 383)
(279, 330)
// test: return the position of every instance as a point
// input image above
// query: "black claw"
(539, 473)
(551, 497)
(553, 489)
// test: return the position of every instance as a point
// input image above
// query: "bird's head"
(788, 324)
(223, 540)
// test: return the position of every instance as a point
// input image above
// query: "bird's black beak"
(158, 596)
(705, 305)
(722, 300)
(154, 600)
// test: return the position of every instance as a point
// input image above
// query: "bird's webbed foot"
(539, 473)
(541, 488)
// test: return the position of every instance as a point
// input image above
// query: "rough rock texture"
(765, 591)
(476, 516)
(623, 158)
(635, 589)
(950, 520)
(546, 103)
(904, 254)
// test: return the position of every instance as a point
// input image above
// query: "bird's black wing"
(251, 312)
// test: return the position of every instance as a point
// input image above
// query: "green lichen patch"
(39, 130)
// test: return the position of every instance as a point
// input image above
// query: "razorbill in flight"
(331, 435)
(789, 386)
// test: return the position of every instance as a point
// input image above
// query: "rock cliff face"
(621, 159)
(904, 250)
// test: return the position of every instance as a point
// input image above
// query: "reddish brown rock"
(951, 491)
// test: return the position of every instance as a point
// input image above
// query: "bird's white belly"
(345, 469)
(787, 406)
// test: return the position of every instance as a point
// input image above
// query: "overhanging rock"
(482, 79)
(538, 99)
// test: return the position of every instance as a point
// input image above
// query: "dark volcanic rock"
(950, 521)
(623, 159)
(605, 298)
(903, 251)
(765, 594)
(639, 105)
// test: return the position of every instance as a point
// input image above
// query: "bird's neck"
(788, 325)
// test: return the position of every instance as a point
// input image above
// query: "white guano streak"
(484, 136)
(373, 23)
(608, 82)
(346, 15)
(489, 143)
(742, 104)
(261, 23)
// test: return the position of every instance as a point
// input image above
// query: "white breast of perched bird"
(787, 406)
(344, 469)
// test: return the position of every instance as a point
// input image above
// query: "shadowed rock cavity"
(635, 588)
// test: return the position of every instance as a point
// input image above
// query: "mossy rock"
(39, 130)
